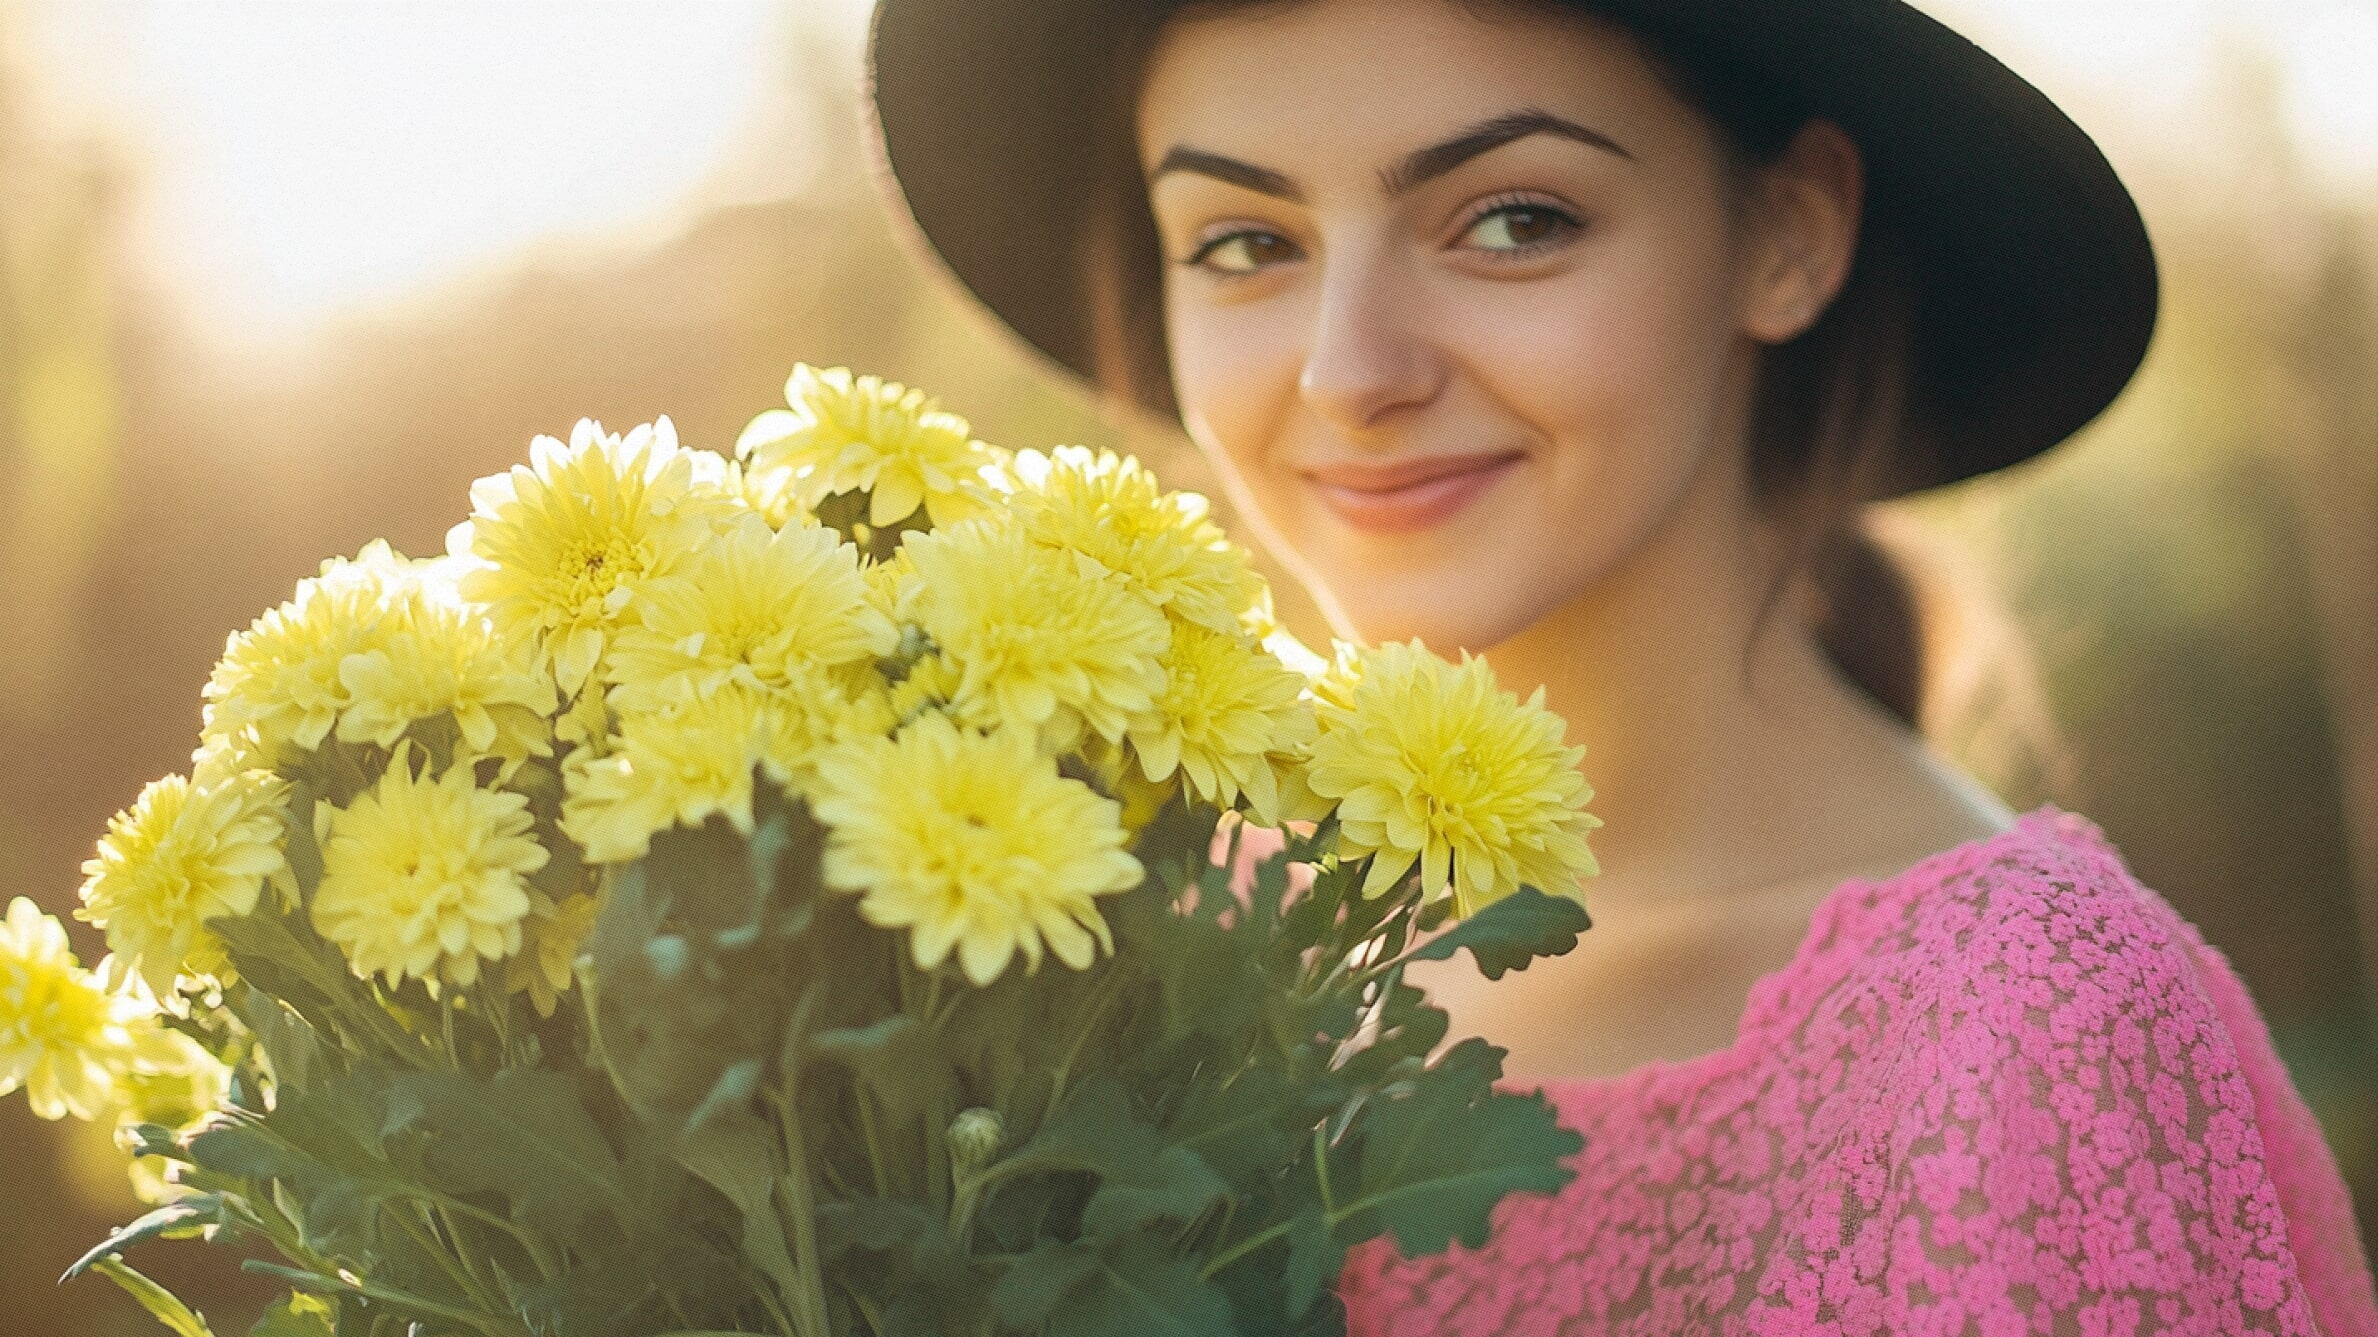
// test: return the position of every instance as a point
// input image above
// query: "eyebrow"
(1414, 168)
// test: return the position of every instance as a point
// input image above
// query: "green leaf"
(736, 1152)
(1143, 1290)
(245, 1151)
(1408, 1030)
(1034, 1285)
(1434, 1162)
(203, 1209)
(160, 1302)
(874, 1225)
(897, 1059)
(1213, 985)
(289, 1044)
(624, 1286)
(525, 1134)
(1176, 1185)
(1512, 932)
(1314, 1258)
(150, 1139)
(1238, 1127)
(1141, 1179)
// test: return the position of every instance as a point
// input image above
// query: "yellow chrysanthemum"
(440, 656)
(798, 724)
(1109, 507)
(425, 877)
(930, 684)
(183, 853)
(64, 1037)
(1120, 774)
(769, 493)
(666, 768)
(557, 548)
(278, 686)
(1432, 763)
(846, 433)
(765, 609)
(178, 1085)
(974, 843)
(1037, 637)
(546, 966)
(1227, 713)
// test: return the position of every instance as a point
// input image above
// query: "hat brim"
(2038, 289)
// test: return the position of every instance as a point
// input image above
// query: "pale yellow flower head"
(546, 966)
(759, 608)
(801, 722)
(558, 547)
(675, 767)
(845, 433)
(1121, 775)
(183, 853)
(1228, 714)
(769, 493)
(438, 655)
(1038, 637)
(1109, 507)
(425, 877)
(65, 1037)
(974, 843)
(175, 1085)
(278, 687)
(1432, 763)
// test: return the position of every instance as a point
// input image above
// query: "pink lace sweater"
(2007, 1091)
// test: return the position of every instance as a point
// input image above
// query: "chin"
(1459, 620)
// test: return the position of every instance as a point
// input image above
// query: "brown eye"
(1253, 251)
(1524, 226)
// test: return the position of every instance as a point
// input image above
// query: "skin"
(1606, 330)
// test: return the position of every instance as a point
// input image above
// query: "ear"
(1804, 232)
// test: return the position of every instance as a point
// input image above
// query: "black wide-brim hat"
(2037, 287)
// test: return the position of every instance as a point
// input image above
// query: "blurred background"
(279, 278)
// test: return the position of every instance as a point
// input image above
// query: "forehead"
(1365, 80)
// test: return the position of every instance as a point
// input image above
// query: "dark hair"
(1830, 429)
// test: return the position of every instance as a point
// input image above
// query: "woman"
(1575, 334)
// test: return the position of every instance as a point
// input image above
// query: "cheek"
(1235, 374)
(1614, 368)
(1618, 343)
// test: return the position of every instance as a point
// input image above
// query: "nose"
(1369, 353)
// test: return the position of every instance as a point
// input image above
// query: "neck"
(1710, 773)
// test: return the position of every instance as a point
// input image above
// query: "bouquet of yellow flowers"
(808, 892)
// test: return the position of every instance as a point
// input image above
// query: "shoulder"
(2067, 1102)
(2041, 930)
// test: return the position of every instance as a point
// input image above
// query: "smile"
(1414, 494)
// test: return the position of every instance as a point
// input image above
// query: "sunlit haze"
(301, 159)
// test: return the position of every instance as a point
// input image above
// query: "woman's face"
(1453, 305)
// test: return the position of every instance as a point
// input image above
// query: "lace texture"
(2007, 1091)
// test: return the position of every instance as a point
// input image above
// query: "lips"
(1405, 495)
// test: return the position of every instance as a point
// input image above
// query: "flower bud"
(975, 1136)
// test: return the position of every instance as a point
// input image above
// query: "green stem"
(529, 1244)
(810, 1311)
(873, 1141)
(1242, 1249)
(335, 984)
(1105, 993)
(447, 1258)
(937, 1115)
(1329, 1212)
(322, 1283)
(1321, 1170)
